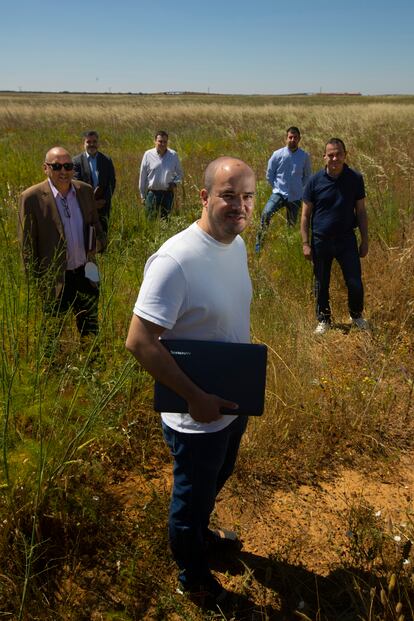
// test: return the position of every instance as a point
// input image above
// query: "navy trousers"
(345, 250)
(202, 464)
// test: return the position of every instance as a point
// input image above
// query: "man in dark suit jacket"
(97, 169)
(60, 232)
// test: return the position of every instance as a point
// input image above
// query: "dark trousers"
(158, 203)
(202, 464)
(104, 214)
(345, 250)
(81, 296)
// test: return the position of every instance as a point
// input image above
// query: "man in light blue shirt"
(288, 171)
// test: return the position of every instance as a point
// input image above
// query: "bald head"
(56, 152)
(227, 198)
(227, 165)
(58, 166)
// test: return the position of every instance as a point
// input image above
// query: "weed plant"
(84, 483)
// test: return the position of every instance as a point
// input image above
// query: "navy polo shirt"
(334, 200)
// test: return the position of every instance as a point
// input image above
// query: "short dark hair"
(293, 130)
(162, 133)
(90, 132)
(337, 142)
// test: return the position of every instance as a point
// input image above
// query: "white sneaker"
(322, 327)
(360, 323)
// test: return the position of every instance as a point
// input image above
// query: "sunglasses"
(56, 166)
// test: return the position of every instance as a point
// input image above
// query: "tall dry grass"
(70, 429)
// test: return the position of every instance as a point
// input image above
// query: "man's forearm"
(362, 219)
(304, 228)
(143, 342)
(142, 188)
(152, 355)
(143, 179)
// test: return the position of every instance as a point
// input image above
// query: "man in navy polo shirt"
(333, 206)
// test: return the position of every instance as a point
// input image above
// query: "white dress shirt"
(157, 172)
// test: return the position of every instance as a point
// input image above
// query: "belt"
(333, 237)
(159, 191)
(77, 270)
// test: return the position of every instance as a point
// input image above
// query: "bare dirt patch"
(310, 523)
(296, 541)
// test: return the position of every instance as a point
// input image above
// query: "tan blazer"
(42, 235)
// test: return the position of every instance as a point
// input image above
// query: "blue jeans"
(202, 464)
(274, 204)
(158, 203)
(345, 250)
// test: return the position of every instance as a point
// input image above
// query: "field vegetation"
(84, 478)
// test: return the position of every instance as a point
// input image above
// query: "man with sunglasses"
(59, 231)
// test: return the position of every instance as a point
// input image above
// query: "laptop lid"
(233, 371)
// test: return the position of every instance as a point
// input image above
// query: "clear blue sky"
(245, 46)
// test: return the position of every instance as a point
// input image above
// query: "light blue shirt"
(288, 172)
(94, 169)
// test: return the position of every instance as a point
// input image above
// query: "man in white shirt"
(197, 286)
(159, 175)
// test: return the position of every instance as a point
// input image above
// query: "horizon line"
(207, 94)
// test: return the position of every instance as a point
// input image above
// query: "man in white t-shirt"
(197, 286)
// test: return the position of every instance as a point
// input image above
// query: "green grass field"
(70, 429)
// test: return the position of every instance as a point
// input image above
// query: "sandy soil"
(296, 538)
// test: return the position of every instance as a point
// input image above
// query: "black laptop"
(233, 371)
